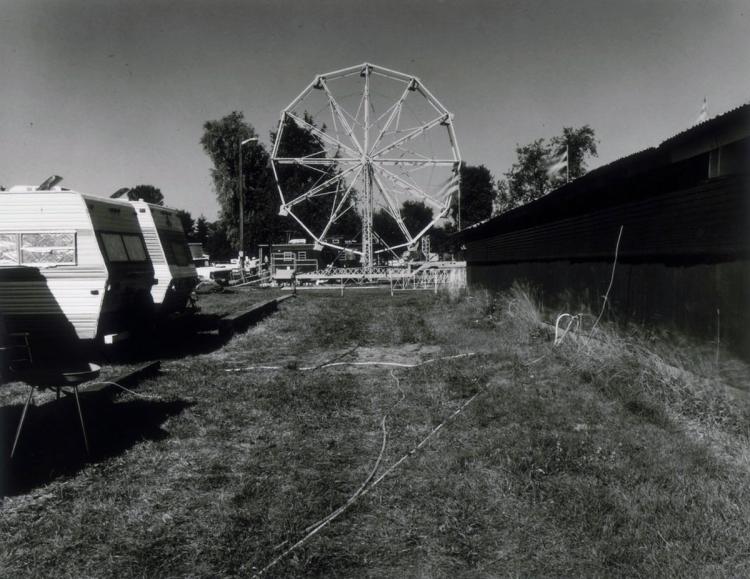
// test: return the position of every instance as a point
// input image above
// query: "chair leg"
(83, 425)
(20, 422)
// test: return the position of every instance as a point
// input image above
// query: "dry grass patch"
(571, 461)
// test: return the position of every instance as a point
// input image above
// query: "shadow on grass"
(183, 338)
(51, 442)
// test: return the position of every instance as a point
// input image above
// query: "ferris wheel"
(355, 149)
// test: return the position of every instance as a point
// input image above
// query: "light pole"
(241, 254)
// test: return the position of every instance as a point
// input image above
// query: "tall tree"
(188, 223)
(416, 215)
(529, 179)
(477, 194)
(201, 230)
(581, 143)
(148, 193)
(221, 141)
(218, 245)
(386, 227)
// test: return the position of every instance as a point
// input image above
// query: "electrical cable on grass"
(335, 364)
(366, 487)
(123, 388)
(611, 282)
(571, 321)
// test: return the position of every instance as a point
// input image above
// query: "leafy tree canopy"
(221, 141)
(529, 177)
(148, 193)
(201, 230)
(188, 223)
(416, 215)
(477, 194)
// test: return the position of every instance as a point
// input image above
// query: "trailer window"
(48, 248)
(8, 249)
(134, 247)
(114, 247)
(123, 247)
(180, 254)
(175, 247)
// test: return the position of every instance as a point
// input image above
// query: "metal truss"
(429, 275)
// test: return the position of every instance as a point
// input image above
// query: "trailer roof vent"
(119, 193)
(49, 183)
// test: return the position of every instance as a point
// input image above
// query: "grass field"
(594, 457)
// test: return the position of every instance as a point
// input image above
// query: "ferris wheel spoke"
(335, 208)
(319, 188)
(312, 161)
(413, 135)
(335, 217)
(303, 124)
(395, 112)
(418, 162)
(408, 187)
(394, 210)
(342, 119)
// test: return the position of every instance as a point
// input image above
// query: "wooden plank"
(230, 324)
(128, 379)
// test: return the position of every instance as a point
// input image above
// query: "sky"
(115, 93)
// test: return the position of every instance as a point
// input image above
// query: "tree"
(218, 245)
(416, 215)
(528, 179)
(188, 223)
(477, 194)
(147, 193)
(580, 143)
(221, 141)
(386, 227)
(201, 230)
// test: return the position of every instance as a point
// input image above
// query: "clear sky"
(114, 93)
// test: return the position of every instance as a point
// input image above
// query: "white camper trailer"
(73, 267)
(170, 254)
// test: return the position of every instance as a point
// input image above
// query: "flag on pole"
(703, 116)
(557, 163)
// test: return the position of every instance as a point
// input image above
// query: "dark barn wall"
(683, 255)
(676, 296)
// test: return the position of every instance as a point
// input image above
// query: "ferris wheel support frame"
(364, 159)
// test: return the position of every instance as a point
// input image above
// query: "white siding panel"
(69, 297)
(65, 291)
